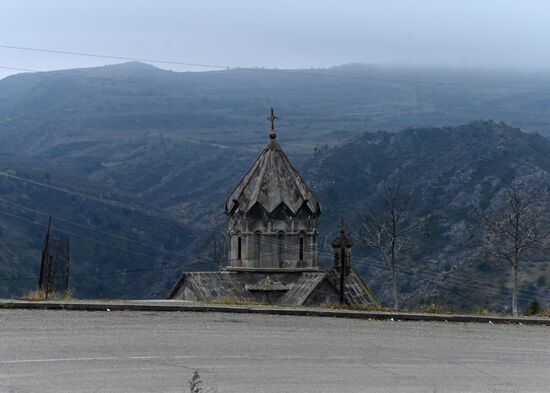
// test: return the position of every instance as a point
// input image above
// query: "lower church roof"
(211, 286)
(296, 289)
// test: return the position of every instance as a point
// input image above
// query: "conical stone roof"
(271, 181)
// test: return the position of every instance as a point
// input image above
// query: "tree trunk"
(394, 288)
(393, 257)
(515, 290)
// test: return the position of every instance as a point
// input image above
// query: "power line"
(198, 260)
(9, 250)
(72, 74)
(18, 69)
(78, 235)
(384, 114)
(80, 76)
(264, 69)
(187, 265)
(103, 56)
(477, 285)
(472, 284)
(178, 220)
(214, 228)
(133, 208)
(87, 227)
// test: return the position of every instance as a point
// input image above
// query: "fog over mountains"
(138, 161)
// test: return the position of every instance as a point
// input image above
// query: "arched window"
(281, 244)
(239, 247)
(257, 246)
(301, 248)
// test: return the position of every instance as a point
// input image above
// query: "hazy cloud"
(281, 33)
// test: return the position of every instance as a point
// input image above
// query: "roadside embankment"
(182, 306)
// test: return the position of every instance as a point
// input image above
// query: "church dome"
(272, 215)
(270, 182)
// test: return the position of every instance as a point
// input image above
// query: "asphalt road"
(132, 352)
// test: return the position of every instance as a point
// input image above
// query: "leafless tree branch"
(392, 232)
(514, 229)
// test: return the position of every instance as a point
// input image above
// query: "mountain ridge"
(179, 148)
(452, 172)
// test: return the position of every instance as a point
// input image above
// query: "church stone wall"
(272, 215)
(272, 242)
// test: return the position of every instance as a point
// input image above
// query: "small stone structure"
(272, 230)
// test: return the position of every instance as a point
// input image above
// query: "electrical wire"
(274, 242)
(204, 227)
(103, 56)
(359, 262)
(138, 82)
(87, 227)
(262, 69)
(179, 220)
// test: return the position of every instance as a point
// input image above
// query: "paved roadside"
(61, 351)
(183, 306)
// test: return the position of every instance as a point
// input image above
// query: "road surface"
(134, 352)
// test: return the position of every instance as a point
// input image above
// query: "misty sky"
(279, 33)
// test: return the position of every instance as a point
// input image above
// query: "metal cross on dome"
(272, 119)
(342, 224)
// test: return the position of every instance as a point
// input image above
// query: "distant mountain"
(315, 106)
(176, 143)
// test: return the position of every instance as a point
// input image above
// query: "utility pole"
(216, 262)
(342, 253)
(54, 263)
(45, 256)
(67, 264)
(342, 274)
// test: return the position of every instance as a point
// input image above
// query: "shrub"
(39, 294)
(534, 308)
(434, 308)
(195, 383)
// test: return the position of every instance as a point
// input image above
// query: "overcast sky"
(279, 33)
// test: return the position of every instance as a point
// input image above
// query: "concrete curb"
(181, 306)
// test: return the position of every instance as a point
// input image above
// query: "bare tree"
(394, 232)
(514, 229)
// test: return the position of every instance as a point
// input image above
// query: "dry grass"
(435, 309)
(332, 306)
(543, 312)
(238, 302)
(482, 312)
(355, 307)
(38, 295)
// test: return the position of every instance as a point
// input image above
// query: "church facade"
(272, 217)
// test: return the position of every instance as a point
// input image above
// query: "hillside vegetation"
(139, 160)
(452, 172)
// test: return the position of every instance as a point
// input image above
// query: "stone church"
(272, 230)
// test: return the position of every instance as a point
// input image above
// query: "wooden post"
(342, 273)
(67, 262)
(45, 256)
